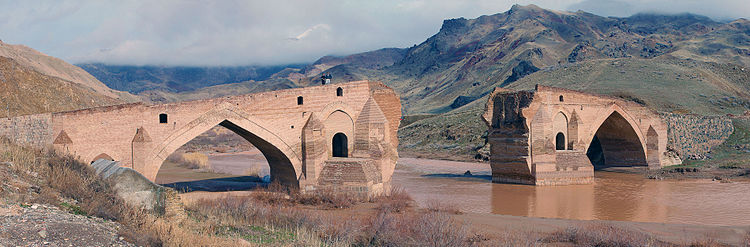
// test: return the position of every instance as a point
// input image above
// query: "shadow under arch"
(616, 143)
(284, 163)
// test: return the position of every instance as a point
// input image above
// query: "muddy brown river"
(613, 196)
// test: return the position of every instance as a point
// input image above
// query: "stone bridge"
(336, 135)
(555, 136)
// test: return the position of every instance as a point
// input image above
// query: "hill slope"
(26, 91)
(32, 82)
(55, 67)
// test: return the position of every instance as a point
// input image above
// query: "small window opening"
(299, 100)
(560, 141)
(339, 92)
(163, 118)
(561, 98)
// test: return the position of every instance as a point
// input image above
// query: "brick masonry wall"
(692, 137)
(34, 130)
(273, 121)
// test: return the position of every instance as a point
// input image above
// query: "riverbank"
(623, 201)
(484, 229)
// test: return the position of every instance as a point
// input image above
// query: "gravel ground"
(44, 225)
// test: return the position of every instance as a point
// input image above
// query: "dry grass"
(263, 223)
(603, 235)
(190, 160)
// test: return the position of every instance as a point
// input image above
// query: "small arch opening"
(339, 92)
(163, 118)
(560, 141)
(299, 100)
(340, 148)
(102, 156)
(561, 98)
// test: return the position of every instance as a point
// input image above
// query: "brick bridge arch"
(284, 162)
(526, 146)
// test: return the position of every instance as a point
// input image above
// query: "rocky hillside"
(372, 60)
(467, 58)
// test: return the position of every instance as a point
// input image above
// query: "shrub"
(396, 201)
(440, 206)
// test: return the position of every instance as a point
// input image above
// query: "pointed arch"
(284, 162)
(560, 130)
(604, 115)
(617, 142)
(338, 122)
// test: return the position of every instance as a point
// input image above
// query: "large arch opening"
(224, 158)
(616, 144)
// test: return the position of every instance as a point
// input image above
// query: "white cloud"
(310, 30)
(236, 32)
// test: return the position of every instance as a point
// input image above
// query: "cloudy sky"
(229, 32)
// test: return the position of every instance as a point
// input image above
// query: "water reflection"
(613, 196)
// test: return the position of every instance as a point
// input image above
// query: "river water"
(613, 196)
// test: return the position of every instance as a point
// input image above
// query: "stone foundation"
(351, 174)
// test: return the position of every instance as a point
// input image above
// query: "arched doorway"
(616, 144)
(560, 141)
(340, 145)
(560, 126)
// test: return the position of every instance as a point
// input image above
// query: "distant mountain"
(467, 58)
(32, 82)
(136, 79)
(377, 59)
(246, 87)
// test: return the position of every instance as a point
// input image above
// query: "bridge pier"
(546, 136)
